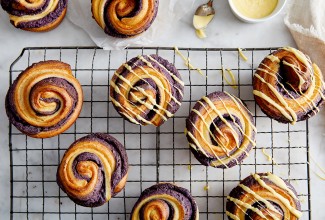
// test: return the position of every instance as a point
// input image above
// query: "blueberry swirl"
(220, 130)
(263, 196)
(288, 87)
(35, 15)
(165, 201)
(45, 99)
(124, 18)
(93, 169)
(147, 90)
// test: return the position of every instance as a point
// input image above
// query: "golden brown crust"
(146, 90)
(45, 99)
(93, 169)
(288, 86)
(165, 201)
(220, 130)
(50, 26)
(263, 196)
(125, 18)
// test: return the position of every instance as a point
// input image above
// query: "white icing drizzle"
(235, 100)
(212, 119)
(187, 61)
(234, 121)
(273, 58)
(306, 97)
(301, 80)
(212, 135)
(208, 101)
(150, 107)
(242, 55)
(162, 66)
(126, 110)
(278, 183)
(247, 206)
(293, 117)
(146, 72)
(171, 74)
(276, 75)
(220, 144)
(200, 147)
(240, 104)
(231, 74)
(152, 100)
(232, 216)
(301, 57)
(268, 157)
(259, 198)
(129, 113)
(272, 102)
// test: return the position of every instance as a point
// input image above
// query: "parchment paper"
(169, 12)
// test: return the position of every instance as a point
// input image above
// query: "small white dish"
(276, 11)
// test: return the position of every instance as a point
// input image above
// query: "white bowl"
(277, 10)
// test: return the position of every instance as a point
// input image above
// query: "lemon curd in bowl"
(253, 11)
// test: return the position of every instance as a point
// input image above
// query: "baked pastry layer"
(124, 18)
(220, 130)
(288, 87)
(263, 196)
(45, 99)
(165, 201)
(147, 90)
(36, 15)
(93, 169)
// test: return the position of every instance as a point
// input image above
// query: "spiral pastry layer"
(124, 18)
(35, 15)
(147, 90)
(45, 99)
(220, 130)
(93, 169)
(288, 87)
(165, 201)
(263, 196)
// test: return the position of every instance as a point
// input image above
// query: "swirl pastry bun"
(35, 15)
(165, 201)
(263, 196)
(124, 18)
(93, 169)
(220, 130)
(45, 99)
(147, 90)
(288, 87)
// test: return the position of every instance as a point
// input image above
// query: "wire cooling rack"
(155, 154)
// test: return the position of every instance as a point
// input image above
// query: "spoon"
(205, 9)
(202, 17)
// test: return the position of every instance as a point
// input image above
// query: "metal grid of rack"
(155, 154)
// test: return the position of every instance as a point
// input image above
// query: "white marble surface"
(225, 31)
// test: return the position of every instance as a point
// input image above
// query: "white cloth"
(169, 12)
(306, 21)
